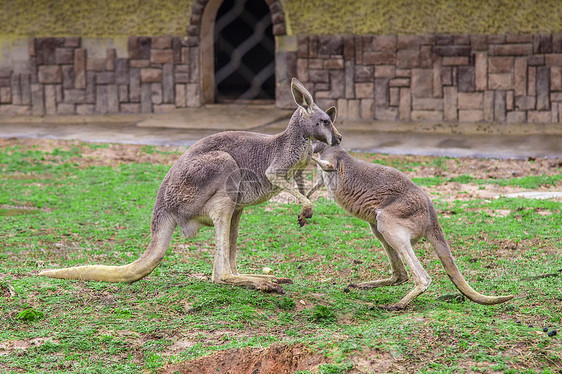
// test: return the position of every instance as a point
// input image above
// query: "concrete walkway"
(184, 127)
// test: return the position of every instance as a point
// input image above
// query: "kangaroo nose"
(337, 138)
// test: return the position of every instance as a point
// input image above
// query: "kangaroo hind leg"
(398, 236)
(399, 273)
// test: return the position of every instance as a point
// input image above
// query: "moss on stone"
(171, 17)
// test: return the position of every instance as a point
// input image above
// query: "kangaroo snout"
(336, 139)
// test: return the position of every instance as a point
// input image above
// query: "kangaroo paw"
(282, 281)
(271, 287)
(305, 213)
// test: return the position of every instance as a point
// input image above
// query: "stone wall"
(466, 78)
(158, 74)
(455, 78)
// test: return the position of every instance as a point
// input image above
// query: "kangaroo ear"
(332, 112)
(302, 97)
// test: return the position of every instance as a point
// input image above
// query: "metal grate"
(244, 51)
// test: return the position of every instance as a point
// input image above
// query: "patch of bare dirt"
(279, 359)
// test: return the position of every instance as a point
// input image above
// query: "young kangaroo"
(399, 214)
(212, 182)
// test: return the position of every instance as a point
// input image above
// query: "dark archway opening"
(244, 51)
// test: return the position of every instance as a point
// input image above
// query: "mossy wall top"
(171, 17)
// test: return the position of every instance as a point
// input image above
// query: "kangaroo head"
(316, 123)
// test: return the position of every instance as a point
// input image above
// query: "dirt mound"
(278, 359)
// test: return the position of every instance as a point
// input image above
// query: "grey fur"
(399, 214)
(212, 182)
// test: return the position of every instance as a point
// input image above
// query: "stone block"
(101, 99)
(450, 103)
(354, 109)
(156, 93)
(479, 42)
(545, 43)
(532, 81)
(447, 76)
(516, 117)
(181, 100)
(134, 85)
(386, 114)
(385, 71)
(112, 99)
(510, 49)
(74, 96)
(444, 39)
(466, 78)
(499, 106)
(333, 63)
(379, 58)
(489, 102)
(330, 45)
(105, 77)
(162, 56)
(123, 93)
(437, 81)
(367, 109)
(384, 43)
(151, 75)
(394, 96)
(37, 100)
(451, 50)
(422, 83)
(168, 84)
(500, 64)
(536, 116)
(427, 104)
(162, 42)
(349, 80)
(501, 81)
(525, 102)
(543, 88)
(400, 82)
(405, 105)
(471, 100)
(146, 98)
(192, 95)
(5, 95)
(408, 58)
(556, 78)
(408, 42)
(67, 76)
(536, 60)
(90, 87)
(80, 69)
(64, 56)
(471, 115)
(64, 109)
(426, 115)
(520, 76)
(364, 90)
(49, 74)
(318, 76)
(85, 109)
(455, 61)
(481, 71)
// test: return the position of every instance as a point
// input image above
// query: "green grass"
(100, 214)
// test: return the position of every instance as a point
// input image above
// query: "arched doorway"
(201, 38)
(244, 51)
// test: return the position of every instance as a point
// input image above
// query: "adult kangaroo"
(399, 214)
(212, 182)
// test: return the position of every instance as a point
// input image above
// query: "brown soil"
(279, 359)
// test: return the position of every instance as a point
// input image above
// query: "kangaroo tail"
(162, 230)
(437, 239)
